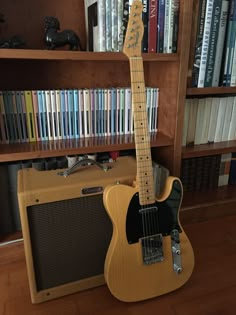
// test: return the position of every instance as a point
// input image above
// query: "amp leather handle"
(77, 164)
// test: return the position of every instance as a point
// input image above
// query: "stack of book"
(215, 56)
(39, 115)
(106, 23)
(208, 120)
(202, 173)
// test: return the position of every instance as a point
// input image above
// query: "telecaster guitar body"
(140, 262)
(149, 253)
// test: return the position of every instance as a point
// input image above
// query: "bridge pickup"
(152, 249)
(176, 251)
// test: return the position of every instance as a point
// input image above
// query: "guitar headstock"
(134, 33)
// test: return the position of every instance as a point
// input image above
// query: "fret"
(142, 136)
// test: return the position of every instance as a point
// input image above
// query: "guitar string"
(151, 223)
(141, 101)
(143, 215)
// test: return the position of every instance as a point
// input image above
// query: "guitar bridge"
(176, 251)
(152, 249)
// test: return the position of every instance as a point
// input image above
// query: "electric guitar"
(149, 253)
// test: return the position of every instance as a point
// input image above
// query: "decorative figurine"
(55, 39)
(12, 42)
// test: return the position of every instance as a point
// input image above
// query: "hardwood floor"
(210, 291)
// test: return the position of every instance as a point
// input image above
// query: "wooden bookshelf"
(25, 151)
(210, 204)
(208, 149)
(223, 90)
(38, 54)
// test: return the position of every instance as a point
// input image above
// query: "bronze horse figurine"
(54, 39)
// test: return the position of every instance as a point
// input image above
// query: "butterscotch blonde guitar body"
(127, 277)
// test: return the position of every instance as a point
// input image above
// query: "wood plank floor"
(210, 291)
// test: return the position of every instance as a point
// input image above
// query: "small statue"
(55, 39)
(12, 42)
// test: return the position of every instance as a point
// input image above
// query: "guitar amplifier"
(65, 226)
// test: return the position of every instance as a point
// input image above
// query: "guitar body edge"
(127, 277)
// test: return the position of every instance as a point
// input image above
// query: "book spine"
(44, 116)
(101, 25)
(232, 126)
(220, 42)
(114, 25)
(81, 113)
(49, 114)
(161, 26)
(59, 114)
(76, 113)
(206, 41)
(213, 42)
(54, 115)
(228, 43)
(3, 121)
(166, 25)
(108, 25)
(15, 118)
(71, 113)
(213, 119)
(120, 38)
(30, 116)
(232, 172)
(145, 15)
(175, 26)
(152, 26)
(170, 27)
(231, 48)
(36, 115)
(90, 9)
(199, 40)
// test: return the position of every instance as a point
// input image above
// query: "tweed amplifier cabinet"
(66, 229)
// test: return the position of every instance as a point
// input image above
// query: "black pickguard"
(141, 224)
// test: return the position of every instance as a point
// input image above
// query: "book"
(3, 121)
(232, 171)
(91, 22)
(152, 26)
(200, 120)
(30, 116)
(220, 42)
(205, 43)
(206, 120)
(198, 42)
(227, 118)
(213, 119)
(232, 125)
(212, 43)
(192, 121)
(220, 119)
(175, 25)
(224, 169)
(145, 18)
(161, 26)
(229, 44)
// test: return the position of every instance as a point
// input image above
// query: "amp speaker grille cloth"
(69, 240)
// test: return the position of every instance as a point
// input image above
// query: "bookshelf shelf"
(211, 91)
(37, 54)
(208, 149)
(201, 206)
(25, 151)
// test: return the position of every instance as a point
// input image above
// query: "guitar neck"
(141, 132)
